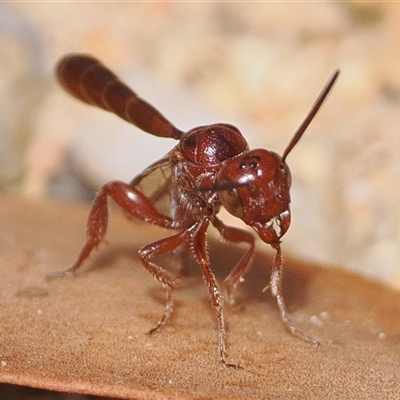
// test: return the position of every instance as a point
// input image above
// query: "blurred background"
(259, 66)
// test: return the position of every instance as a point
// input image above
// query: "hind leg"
(131, 200)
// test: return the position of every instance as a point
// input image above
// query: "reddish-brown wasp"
(210, 167)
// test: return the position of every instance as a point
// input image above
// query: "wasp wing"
(156, 183)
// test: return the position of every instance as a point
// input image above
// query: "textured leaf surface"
(87, 334)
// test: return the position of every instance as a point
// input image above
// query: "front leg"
(199, 248)
(276, 289)
(131, 200)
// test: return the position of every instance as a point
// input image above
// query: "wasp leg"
(131, 200)
(235, 235)
(160, 247)
(276, 289)
(200, 252)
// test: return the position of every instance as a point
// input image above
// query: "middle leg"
(161, 247)
(235, 235)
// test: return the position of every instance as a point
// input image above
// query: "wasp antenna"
(310, 116)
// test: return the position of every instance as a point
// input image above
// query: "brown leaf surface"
(87, 334)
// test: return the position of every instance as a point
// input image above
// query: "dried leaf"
(87, 334)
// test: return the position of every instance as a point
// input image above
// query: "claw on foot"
(59, 274)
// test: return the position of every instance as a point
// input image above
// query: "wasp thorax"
(212, 144)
